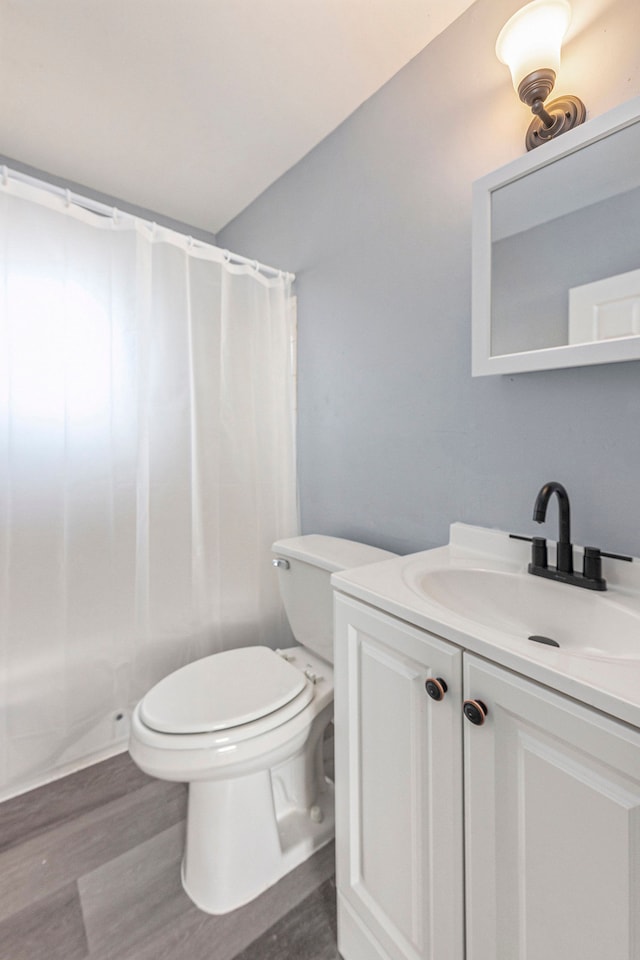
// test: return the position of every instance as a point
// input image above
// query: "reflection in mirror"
(607, 309)
(566, 235)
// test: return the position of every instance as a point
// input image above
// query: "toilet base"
(245, 833)
(244, 848)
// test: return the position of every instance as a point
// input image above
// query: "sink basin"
(582, 623)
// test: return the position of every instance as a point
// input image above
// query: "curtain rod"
(104, 210)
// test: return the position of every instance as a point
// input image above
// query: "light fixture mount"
(553, 118)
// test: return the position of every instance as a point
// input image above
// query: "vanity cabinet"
(398, 790)
(548, 805)
(552, 825)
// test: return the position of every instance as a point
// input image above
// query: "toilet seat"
(245, 688)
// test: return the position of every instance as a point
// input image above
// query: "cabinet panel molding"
(398, 789)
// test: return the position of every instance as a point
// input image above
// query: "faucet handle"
(614, 556)
(592, 563)
(538, 549)
(539, 552)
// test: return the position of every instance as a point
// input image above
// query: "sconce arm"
(548, 119)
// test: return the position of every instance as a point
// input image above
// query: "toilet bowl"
(245, 729)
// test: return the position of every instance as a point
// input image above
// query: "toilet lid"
(222, 691)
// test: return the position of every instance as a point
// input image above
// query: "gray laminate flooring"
(90, 870)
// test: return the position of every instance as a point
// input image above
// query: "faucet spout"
(564, 561)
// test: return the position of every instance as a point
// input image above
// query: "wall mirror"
(556, 252)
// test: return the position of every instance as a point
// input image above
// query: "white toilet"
(244, 728)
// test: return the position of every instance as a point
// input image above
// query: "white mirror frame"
(570, 355)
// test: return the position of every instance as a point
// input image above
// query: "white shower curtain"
(146, 465)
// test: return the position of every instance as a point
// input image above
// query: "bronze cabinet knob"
(475, 711)
(435, 687)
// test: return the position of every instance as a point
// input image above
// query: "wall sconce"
(529, 44)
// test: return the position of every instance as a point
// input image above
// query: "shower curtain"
(146, 465)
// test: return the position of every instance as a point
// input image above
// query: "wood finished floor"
(90, 870)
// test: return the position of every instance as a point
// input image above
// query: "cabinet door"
(552, 802)
(398, 790)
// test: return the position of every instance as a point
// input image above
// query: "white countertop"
(609, 684)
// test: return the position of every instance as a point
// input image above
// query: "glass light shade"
(532, 39)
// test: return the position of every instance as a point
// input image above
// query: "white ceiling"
(191, 108)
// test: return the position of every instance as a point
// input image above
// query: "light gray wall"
(395, 438)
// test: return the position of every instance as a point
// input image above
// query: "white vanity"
(514, 839)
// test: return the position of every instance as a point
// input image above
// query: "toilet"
(245, 729)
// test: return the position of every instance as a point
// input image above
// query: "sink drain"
(539, 639)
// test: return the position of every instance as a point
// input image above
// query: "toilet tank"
(305, 583)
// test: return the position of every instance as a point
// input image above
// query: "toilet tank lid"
(330, 553)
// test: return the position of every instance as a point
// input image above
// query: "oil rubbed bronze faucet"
(591, 577)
